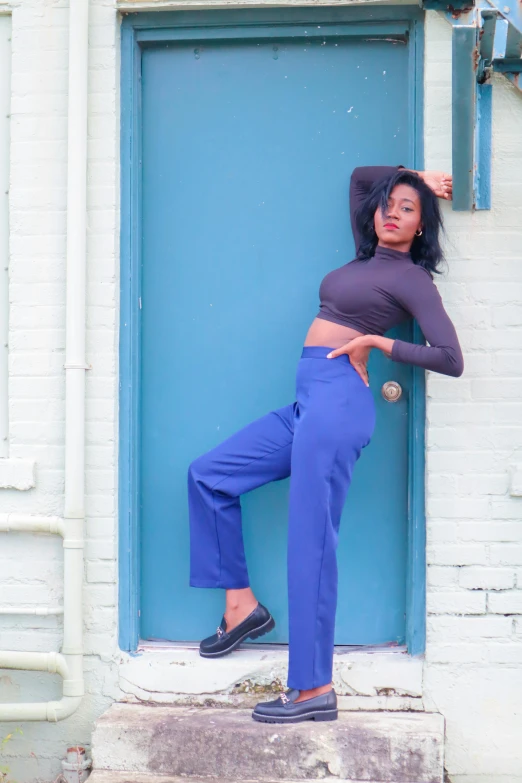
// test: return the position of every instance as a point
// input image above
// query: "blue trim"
(138, 30)
(130, 284)
(171, 20)
(416, 556)
(260, 32)
(483, 136)
(444, 5)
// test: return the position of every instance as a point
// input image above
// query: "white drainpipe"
(69, 664)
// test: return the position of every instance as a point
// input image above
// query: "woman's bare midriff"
(331, 335)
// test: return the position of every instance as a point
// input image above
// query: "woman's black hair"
(426, 250)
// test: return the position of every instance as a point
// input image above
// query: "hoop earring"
(418, 233)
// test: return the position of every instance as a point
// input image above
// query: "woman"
(396, 224)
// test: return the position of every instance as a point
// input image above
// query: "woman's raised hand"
(358, 351)
(440, 182)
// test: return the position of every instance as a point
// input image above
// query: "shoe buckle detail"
(284, 698)
(219, 631)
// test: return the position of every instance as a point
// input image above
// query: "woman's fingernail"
(329, 356)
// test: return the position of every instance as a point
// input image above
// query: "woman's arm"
(420, 297)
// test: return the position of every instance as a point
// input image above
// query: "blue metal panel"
(464, 85)
(483, 134)
(129, 542)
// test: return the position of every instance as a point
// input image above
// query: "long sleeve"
(361, 182)
(419, 296)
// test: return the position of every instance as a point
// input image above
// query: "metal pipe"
(37, 610)
(27, 523)
(70, 663)
(5, 119)
(53, 662)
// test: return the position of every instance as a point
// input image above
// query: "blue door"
(247, 150)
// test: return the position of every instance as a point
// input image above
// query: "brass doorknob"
(391, 391)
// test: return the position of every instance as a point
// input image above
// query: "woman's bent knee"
(198, 470)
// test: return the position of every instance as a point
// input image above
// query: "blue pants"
(317, 442)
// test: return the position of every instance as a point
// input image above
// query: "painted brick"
(456, 652)
(489, 531)
(465, 602)
(458, 508)
(101, 571)
(100, 548)
(483, 483)
(445, 628)
(16, 474)
(505, 602)
(457, 554)
(442, 576)
(505, 554)
(508, 508)
(486, 578)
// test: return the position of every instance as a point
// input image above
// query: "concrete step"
(103, 776)
(137, 777)
(226, 744)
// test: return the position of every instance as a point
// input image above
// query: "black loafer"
(285, 710)
(259, 622)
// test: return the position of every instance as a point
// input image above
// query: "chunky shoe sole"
(268, 626)
(318, 715)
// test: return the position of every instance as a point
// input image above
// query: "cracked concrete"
(217, 743)
(392, 680)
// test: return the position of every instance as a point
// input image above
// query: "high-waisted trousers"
(316, 441)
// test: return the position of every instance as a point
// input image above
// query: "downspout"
(75, 366)
(69, 664)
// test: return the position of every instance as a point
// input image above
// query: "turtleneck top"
(379, 293)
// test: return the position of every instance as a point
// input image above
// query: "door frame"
(140, 30)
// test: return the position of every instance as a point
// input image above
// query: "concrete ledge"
(227, 744)
(17, 474)
(485, 778)
(385, 677)
(102, 776)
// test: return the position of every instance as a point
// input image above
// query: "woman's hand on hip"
(358, 351)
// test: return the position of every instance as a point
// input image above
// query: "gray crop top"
(375, 295)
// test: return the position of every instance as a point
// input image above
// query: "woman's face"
(396, 227)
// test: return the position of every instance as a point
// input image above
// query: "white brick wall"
(473, 673)
(474, 531)
(31, 569)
